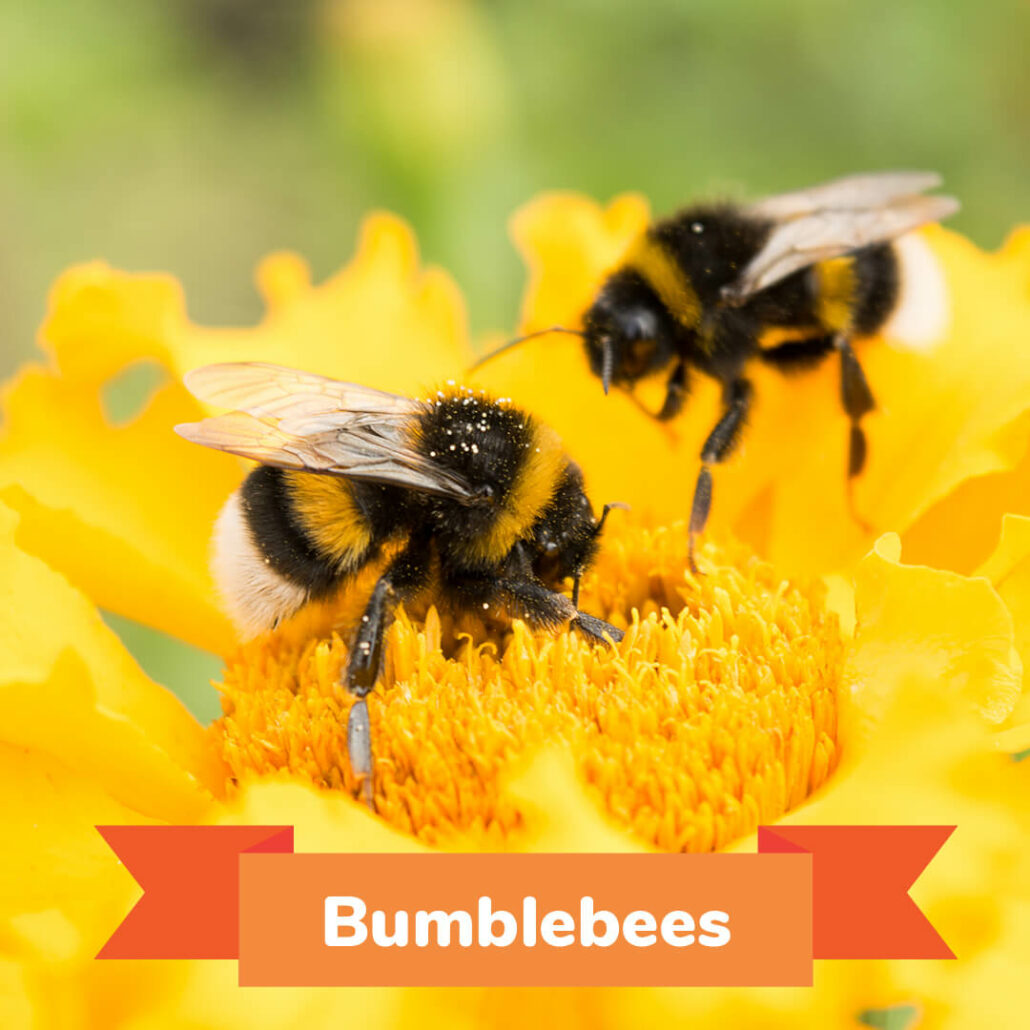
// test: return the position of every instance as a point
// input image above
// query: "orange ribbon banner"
(525, 920)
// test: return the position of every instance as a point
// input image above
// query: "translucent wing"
(324, 426)
(263, 389)
(837, 218)
(874, 189)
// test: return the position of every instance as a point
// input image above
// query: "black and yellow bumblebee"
(698, 292)
(461, 493)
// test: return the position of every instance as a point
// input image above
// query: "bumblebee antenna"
(596, 532)
(522, 339)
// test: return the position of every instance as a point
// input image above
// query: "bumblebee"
(701, 291)
(460, 493)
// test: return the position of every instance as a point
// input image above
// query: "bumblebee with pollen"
(465, 494)
(701, 291)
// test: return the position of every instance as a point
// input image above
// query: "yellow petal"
(933, 626)
(916, 751)
(69, 688)
(1008, 569)
(100, 321)
(61, 890)
(976, 506)
(784, 491)
(322, 820)
(16, 1006)
(929, 763)
(991, 990)
(126, 511)
(569, 243)
(559, 815)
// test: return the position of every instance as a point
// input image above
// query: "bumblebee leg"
(546, 609)
(525, 598)
(675, 393)
(597, 629)
(405, 575)
(719, 445)
(858, 401)
(366, 656)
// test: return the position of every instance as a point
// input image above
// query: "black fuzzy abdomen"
(795, 301)
(876, 287)
(278, 535)
(318, 554)
(790, 303)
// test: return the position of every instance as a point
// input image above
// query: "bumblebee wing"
(374, 452)
(273, 390)
(875, 189)
(836, 219)
(321, 426)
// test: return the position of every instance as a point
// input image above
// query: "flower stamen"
(716, 713)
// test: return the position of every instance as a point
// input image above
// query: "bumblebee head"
(567, 535)
(627, 332)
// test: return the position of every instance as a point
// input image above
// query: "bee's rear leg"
(858, 401)
(719, 445)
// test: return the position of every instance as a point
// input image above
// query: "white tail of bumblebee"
(255, 596)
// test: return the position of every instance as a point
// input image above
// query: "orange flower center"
(717, 712)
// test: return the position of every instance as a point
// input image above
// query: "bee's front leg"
(525, 597)
(675, 393)
(548, 609)
(363, 665)
(405, 575)
(719, 445)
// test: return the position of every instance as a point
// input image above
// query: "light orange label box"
(767, 899)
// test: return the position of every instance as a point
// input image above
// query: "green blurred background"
(194, 136)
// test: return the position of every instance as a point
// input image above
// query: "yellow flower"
(719, 710)
(736, 698)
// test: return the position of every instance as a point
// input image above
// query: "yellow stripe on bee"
(331, 519)
(776, 335)
(835, 293)
(663, 274)
(530, 493)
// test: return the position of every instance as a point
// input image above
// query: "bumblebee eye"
(550, 548)
(639, 324)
